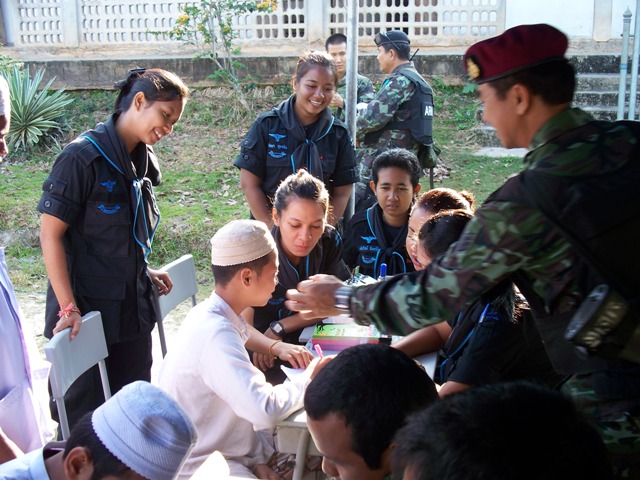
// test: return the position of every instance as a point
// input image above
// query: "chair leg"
(163, 341)
(104, 378)
(301, 455)
(62, 416)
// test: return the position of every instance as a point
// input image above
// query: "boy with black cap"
(209, 372)
(402, 106)
(581, 171)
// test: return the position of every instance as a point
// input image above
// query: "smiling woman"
(299, 133)
(99, 216)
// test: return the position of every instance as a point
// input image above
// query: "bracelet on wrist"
(270, 352)
(66, 312)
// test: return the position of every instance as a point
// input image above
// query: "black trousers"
(127, 362)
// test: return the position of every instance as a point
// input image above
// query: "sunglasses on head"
(136, 72)
(382, 38)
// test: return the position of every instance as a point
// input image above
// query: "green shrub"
(7, 63)
(34, 112)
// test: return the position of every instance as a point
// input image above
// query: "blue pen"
(383, 271)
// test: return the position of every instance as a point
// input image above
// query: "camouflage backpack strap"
(564, 356)
(596, 211)
(607, 323)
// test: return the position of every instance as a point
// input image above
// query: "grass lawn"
(200, 190)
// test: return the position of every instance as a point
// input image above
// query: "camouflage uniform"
(509, 237)
(364, 93)
(394, 91)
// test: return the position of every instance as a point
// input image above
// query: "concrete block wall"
(597, 88)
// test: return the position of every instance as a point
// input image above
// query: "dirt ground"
(32, 305)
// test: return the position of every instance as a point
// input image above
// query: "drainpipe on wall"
(7, 17)
(634, 66)
(624, 60)
(352, 87)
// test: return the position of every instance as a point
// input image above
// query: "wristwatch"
(342, 298)
(278, 329)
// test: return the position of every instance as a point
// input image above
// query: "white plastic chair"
(70, 359)
(185, 285)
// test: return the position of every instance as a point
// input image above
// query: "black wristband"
(278, 329)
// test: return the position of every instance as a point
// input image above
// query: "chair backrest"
(185, 284)
(71, 358)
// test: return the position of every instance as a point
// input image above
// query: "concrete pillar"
(602, 20)
(9, 12)
(71, 22)
(316, 20)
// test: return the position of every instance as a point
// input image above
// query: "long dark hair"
(445, 228)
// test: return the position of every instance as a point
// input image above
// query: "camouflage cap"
(517, 49)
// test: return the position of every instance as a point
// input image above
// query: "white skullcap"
(241, 241)
(5, 103)
(145, 429)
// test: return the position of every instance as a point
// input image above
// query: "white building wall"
(579, 19)
(300, 24)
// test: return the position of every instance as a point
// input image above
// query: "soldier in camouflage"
(374, 133)
(336, 46)
(526, 85)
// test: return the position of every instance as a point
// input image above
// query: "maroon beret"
(516, 49)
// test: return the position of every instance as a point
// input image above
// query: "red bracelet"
(66, 312)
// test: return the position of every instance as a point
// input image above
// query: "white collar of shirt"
(218, 304)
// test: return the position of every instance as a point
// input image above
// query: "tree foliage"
(209, 27)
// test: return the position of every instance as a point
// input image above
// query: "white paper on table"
(297, 375)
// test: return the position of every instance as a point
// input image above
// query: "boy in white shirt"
(208, 371)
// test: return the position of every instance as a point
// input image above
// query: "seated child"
(503, 431)
(139, 433)
(209, 372)
(427, 205)
(377, 235)
(357, 403)
(494, 339)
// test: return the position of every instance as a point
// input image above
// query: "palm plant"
(34, 111)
